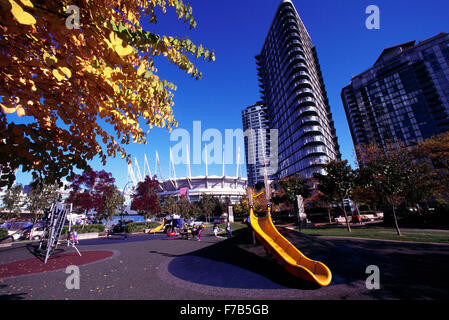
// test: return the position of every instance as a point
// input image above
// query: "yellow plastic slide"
(158, 228)
(287, 254)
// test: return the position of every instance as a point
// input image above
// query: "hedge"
(140, 226)
(3, 232)
(87, 228)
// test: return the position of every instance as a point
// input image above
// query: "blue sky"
(236, 31)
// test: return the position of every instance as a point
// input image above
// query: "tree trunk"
(329, 213)
(346, 217)
(84, 220)
(396, 221)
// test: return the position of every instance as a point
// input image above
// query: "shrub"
(140, 226)
(87, 228)
(3, 232)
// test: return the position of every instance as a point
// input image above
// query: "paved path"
(158, 267)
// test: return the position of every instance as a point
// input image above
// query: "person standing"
(215, 229)
(229, 230)
(200, 230)
(75, 236)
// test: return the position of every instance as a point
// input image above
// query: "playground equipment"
(192, 231)
(158, 228)
(173, 226)
(284, 251)
(53, 225)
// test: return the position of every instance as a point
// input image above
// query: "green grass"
(381, 233)
(234, 225)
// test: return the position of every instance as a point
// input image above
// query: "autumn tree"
(88, 189)
(337, 184)
(393, 175)
(436, 151)
(322, 200)
(145, 199)
(242, 207)
(70, 92)
(259, 199)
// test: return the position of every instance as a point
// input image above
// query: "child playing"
(200, 230)
(215, 229)
(229, 230)
(75, 236)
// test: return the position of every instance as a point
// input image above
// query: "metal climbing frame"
(53, 229)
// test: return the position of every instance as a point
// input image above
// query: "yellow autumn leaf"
(124, 51)
(131, 16)
(27, 3)
(66, 71)
(49, 59)
(20, 111)
(7, 109)
(107, 72)
(141, 69)
(116, 43)
(58, 75)
(20, 15)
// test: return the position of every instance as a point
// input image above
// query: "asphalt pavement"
(156, 267)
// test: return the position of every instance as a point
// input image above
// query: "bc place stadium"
(220, 186)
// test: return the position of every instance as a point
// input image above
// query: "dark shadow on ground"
(235, 267)
(165, 254)
(39, 254)
(15, 296)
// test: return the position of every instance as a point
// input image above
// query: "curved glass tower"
(294, 93)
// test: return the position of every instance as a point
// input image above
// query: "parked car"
(15, 234)
(193, 222)
(36, 233)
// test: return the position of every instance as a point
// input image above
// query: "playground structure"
(53, 224)
(284, 251)
(177, 227)
(158, 228)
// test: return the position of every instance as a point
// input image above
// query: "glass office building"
(294, 94)
(403, 97)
